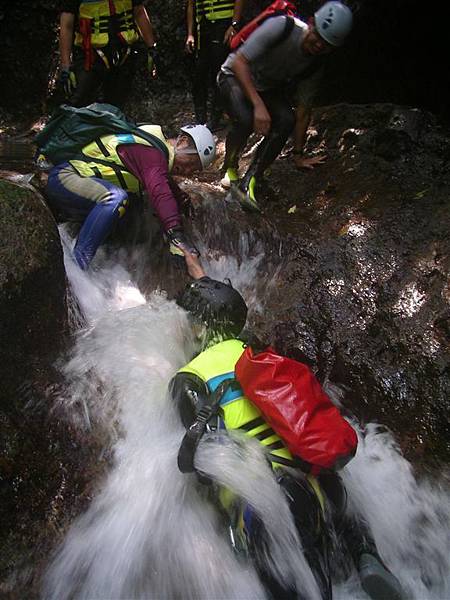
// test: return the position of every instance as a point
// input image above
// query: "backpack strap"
(288, 27)
(317, 61)
(155, 141)
(152, 139)
(194, 434)
(106, 163)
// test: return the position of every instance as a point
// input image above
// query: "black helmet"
(217, 304)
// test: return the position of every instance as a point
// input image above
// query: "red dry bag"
(294, 404)
(276, 9)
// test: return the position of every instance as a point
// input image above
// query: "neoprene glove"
(68, 81)
(152, 57)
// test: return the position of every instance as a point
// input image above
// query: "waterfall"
(149, 532)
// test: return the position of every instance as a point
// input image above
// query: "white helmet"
(204, 142)
(333, 22)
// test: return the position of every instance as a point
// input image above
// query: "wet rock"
(32, 280)
(362, 265)
(43, 459)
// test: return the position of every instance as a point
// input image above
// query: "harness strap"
(118, 170)
(194, 434)
(85, 28)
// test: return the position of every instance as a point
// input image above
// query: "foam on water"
(148, 532)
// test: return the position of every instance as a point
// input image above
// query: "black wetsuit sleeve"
(190, 394)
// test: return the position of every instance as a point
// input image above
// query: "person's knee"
(235, 103)
(118, 201)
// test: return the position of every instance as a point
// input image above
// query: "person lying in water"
(218, 314)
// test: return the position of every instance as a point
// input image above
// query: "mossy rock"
(32, 282)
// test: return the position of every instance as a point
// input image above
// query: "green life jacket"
(97, 18)
(216, 364)
(213, 10)
(102, 160)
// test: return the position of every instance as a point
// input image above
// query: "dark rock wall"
(46, 464)
(32, 279)
(361, 253)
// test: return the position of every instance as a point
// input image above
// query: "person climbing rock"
(98, 45)
(210, 26)
(218, 314)
(279, 65)
(96, 187)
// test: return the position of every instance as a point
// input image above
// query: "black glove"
(68, 81)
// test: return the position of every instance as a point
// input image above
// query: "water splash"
(94, 292)
(239, 464)
(149, 533)
(409, 519)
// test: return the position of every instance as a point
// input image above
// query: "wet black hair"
(216, 304)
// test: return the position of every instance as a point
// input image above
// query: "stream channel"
(148, 533)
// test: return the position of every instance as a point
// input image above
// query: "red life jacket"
(297, 408)
(276, 9)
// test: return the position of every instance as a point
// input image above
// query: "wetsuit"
(104, 52)
(100, 203)
(283, 75)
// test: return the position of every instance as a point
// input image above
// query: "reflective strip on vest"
(213, 10)
(99, 14)
(216, 364)
(105, 149)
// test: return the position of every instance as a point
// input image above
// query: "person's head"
(215, 305)
(331, 25)
(195, 149)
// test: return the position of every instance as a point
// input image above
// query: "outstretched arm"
(305, 96)
(260, 42)
(190, 42)
(302, 119)
(261, 116)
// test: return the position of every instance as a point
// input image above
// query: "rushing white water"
(148, 532)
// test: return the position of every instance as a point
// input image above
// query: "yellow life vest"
(104, 150)
(213, 10)
(216, 364)
(95, 22)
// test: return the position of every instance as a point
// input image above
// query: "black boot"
(246, 192)
(376, 579)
